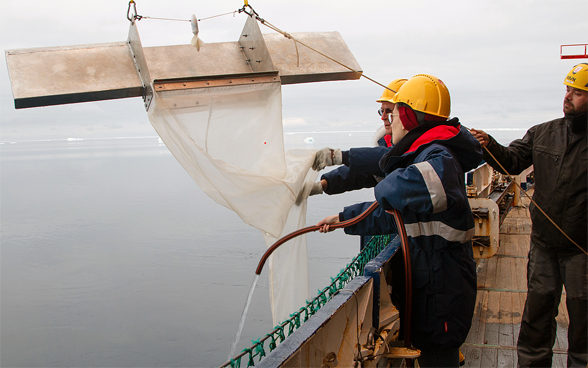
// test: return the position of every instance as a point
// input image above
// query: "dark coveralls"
(425, 182)
(557, 150)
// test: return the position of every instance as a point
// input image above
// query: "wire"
(289, 36)
(176, 20)
(188, 20)
(361, 74)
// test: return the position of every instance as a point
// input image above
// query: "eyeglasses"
(389, 115)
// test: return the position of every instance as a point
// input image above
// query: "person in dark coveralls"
(557, 151)
(425, 182)
(360, 167)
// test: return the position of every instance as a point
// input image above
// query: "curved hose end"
(308, 229)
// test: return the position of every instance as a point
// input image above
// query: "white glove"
(317, 188)
(327, 157)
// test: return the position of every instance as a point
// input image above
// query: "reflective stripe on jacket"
(427, 186)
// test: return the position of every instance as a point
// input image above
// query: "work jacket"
(425, 182)
(361, 170)
(557, 151)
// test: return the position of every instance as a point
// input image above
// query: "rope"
(531, 199)
(289, 36)
(132, 17)
(535, 203)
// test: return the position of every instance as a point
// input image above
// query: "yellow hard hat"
(425, 93)
(578, 77)
(388, 95)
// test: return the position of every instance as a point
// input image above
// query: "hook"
(135, 15)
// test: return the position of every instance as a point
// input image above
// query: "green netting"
(287, 328)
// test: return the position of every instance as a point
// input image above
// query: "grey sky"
(499, 59)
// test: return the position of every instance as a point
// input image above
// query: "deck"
(502, 291)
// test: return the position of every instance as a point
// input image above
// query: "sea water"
(111, 256)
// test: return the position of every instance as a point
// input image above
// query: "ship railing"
(371, 248)
(491, 196)
(575, 51)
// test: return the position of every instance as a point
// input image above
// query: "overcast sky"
(499, 59)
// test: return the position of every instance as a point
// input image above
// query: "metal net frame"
(355, 268)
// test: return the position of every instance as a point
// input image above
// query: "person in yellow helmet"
(360, 165)
(557, 151)
(425, 181)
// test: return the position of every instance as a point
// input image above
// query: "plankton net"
(230, 141)
(218, 110)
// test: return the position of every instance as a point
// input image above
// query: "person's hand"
(324, 223)
(481, 136)
(327, 157)
(318, 187)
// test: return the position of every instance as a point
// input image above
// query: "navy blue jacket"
(363, 170)
(425, 181)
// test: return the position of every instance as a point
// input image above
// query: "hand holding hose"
(330, 227)
(326, 222)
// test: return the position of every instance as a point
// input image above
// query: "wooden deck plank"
(473, 357)
(522, 245)
(473, 335)
(505, 277)
(489, 358)
(559, 360)
(506, 358)
(500, 300)
(504, 239)
(490, 280)
(492, 326)
(520, 272)
(506, 336)
(481, 271)
(518, 302)
(477, 335)
(562, 320)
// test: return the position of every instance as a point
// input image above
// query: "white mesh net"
(230, 140)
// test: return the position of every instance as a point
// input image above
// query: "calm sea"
(111, 255)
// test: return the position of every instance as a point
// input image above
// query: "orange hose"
(309, 229)
(407, 277)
